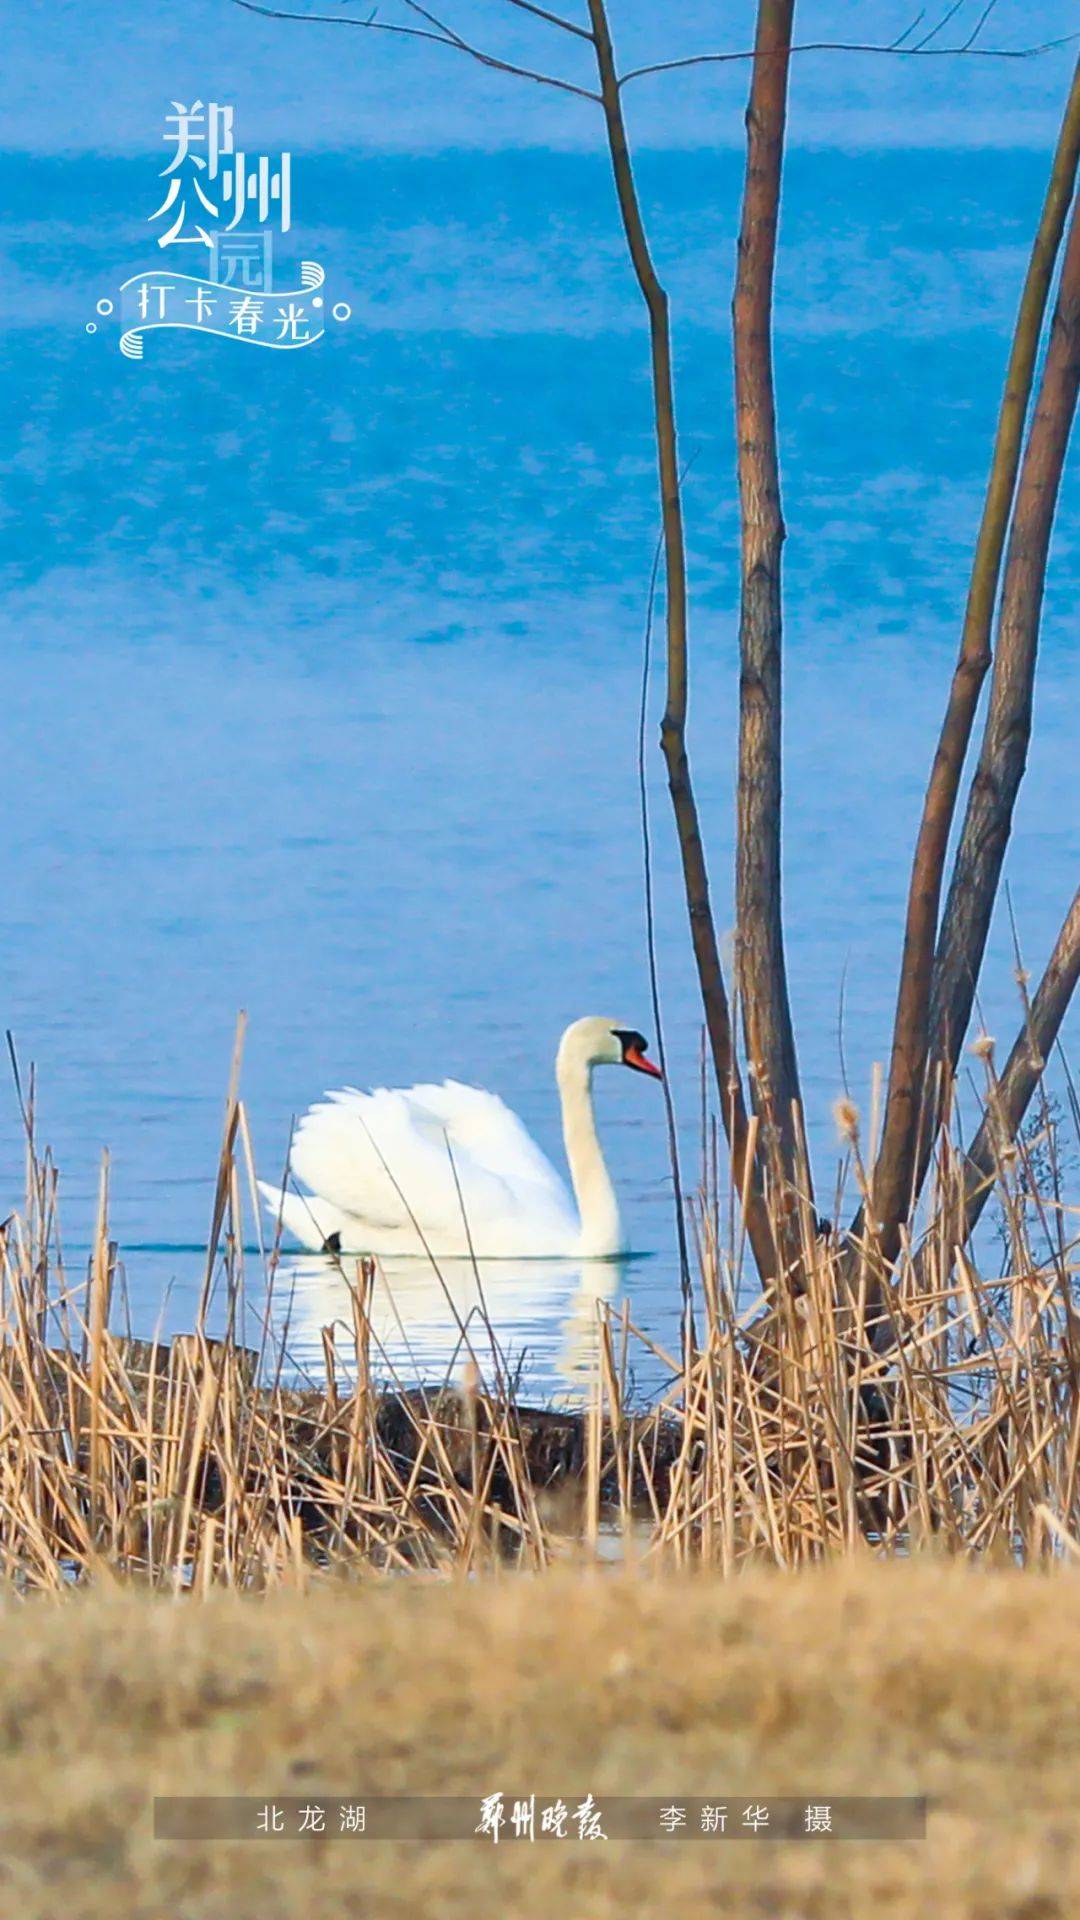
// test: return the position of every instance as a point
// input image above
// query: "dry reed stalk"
(887, 1405)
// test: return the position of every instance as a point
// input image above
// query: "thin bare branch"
(650, 946)
(436, 34)
(908, 30)
(1024, 1067)
(978, 27)
(439, 34)
(988, 821)
(966, 50)
(921, 45)
(910, 1047)
(553, 19)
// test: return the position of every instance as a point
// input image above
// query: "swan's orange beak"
(632, 1058)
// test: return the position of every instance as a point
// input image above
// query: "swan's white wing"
(484, 1132)
(382, 1157)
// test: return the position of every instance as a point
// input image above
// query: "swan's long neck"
(601, 1232)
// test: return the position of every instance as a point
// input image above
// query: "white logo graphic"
(212, 194)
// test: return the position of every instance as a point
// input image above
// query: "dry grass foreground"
(960, 1682)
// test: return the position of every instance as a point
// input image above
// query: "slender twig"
(908, 30)
(978, 27)
(650, 942)
(437, 35)
(1024, 1068)
(921, 45)
(900, 1164)
(1002, 759)
(553, 19)
(966, 50)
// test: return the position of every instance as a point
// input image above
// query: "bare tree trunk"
(1008, 725)
(673, 731)
(1025, 1063)
(894, 1173)
(762, 978)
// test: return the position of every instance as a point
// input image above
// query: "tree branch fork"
(435, 31)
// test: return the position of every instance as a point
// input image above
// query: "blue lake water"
(320, 671)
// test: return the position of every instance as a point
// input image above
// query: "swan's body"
(449, 1170)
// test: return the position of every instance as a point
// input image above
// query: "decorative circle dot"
(91, 326)
(317, 302)
(342, 311)
(104, 306)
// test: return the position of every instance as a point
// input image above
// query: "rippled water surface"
(320, 673)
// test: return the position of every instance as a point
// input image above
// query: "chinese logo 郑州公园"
(230, 204)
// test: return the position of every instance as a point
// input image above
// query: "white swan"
(449, 1170)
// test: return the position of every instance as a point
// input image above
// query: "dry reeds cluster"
(860, 1406)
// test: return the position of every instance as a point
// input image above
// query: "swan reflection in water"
(426, 1323)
